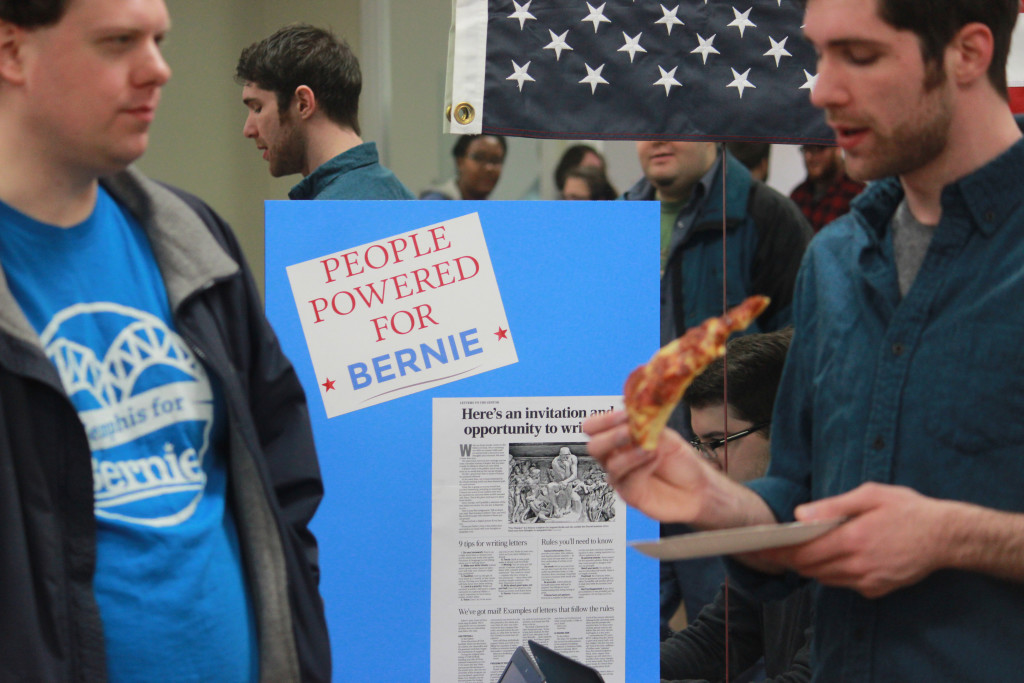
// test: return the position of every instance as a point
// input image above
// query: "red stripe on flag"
(1017, 100)
(1017, 94)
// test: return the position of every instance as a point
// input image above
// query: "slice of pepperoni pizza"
(653, 390)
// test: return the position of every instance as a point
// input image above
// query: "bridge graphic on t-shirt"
(146, 404)
(138, 347)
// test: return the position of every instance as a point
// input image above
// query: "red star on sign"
(501, 334)
(328, 385)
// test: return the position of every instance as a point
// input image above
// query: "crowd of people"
(879, 388)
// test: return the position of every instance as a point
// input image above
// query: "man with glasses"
(734, 438)
(763, 233)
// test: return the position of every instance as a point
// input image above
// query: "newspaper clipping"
(528, 539)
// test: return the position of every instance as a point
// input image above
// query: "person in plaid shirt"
(827, 191)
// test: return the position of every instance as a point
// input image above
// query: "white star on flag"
(522, 13)
(668, 79)
(596, 16)
(633, 53)
(632, 46)
(742, 21)
(669, 18)
(594, 78)
(705, 48)
(778, 50)
(739, 81)
(558, 44)
(811, 80)
(519, 74)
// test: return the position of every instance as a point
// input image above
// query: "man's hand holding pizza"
(894, 536)
(651, 466)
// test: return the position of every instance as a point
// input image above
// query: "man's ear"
(12, 67)
(305, 102)
(970, 53)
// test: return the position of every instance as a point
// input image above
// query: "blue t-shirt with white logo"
(169, 579)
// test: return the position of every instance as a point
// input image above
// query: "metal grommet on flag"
(448, 112)
(464, 113)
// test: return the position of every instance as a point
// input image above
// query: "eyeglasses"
(708, 448)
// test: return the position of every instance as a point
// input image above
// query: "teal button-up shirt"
(354, 174)
(925, 391)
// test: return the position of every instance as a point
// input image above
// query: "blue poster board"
(579, 283)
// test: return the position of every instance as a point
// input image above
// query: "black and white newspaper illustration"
(528, 541)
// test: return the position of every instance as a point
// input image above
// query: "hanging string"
(725, 387)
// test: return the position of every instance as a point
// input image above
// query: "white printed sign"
(402, 314)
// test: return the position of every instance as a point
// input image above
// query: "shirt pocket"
(976, 387)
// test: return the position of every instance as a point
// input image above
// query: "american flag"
(1015, 67)
(633, 69)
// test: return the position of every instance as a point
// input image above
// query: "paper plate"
(731, 541)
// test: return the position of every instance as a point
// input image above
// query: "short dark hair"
(597, 182)
(936, 22)
(301, 54)
(462, 144)
(33, 13)
(750, 154)
(754, 367)
(571, 158)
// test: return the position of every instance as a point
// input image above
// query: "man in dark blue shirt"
(903, 386)
(301, 86)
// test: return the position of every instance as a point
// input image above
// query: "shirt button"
(897, 349)
(878, 444)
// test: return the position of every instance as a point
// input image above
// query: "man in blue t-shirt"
(158, 469)
(301, 86)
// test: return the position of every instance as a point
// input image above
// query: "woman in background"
(478, 163)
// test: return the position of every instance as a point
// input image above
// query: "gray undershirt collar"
(910, 240)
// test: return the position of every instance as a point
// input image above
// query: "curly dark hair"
(301, 54)
(755, 367)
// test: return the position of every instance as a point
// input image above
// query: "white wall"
(196, 141)
(785, 168)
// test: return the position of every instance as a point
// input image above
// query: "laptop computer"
(550, 667)
(521, 669)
